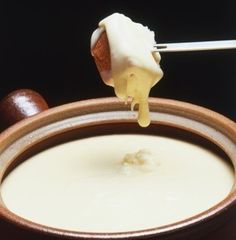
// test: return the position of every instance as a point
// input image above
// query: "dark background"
(46, 48)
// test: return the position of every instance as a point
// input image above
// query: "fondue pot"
(42, 128)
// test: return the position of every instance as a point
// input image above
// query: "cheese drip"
(135, 67)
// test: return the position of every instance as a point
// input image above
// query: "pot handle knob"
(20, 104)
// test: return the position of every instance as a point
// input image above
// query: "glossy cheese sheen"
(84, 185)
(135, 67)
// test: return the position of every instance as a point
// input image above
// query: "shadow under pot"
(86, 170)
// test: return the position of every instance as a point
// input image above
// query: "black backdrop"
(46, 48)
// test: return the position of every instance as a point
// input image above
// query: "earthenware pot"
(107, 116)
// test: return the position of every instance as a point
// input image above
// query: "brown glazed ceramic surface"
(20, 104)
(105, 116)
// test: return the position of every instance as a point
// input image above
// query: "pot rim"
(94, 106)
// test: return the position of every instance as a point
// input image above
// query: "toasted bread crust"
(101, 53)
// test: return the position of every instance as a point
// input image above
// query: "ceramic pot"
(108, 116)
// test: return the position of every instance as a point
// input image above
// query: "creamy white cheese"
(88, 185)
(135, 67)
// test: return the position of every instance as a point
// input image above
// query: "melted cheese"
(142, 160)
(134, 66)
(92, 184)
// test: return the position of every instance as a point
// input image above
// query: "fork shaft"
(195, 46)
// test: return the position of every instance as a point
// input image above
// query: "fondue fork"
(195, 46)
